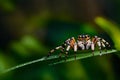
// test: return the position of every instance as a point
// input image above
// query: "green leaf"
(55, 57)
(83, 56)
(111, 28)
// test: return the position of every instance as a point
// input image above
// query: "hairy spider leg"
(81, 45)
(62, 48)
(75, 49)
(53, 50)
(88, 41)
(73, 45)
(99, 45)
(67, 49)
(105, 44)
(97, 41)
(88, 44)
(92, 47)
(80, 42)
(93, 43)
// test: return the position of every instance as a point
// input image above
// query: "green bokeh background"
(30, 28)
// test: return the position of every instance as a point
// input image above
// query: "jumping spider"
(83, 42)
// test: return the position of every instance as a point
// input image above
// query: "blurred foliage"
(28, 45)
(5, 62)
(30, 28)
(111, 28)
(7, 5)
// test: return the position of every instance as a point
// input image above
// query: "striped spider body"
(83, 42)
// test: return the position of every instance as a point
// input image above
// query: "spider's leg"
(99, 45)
(53, 50)
(75, 49)
(88, 45)
(104, 46)
(61, 51)
(81, 45)
(67, 49)
(107, 45)
(92, 48)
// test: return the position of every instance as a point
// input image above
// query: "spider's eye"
(85, 36)
(79, 36)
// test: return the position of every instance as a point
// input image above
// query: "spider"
(83, 42)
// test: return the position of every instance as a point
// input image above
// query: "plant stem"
(78, 56)
(82, 56)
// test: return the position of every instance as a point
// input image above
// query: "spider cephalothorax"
(83, 42)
